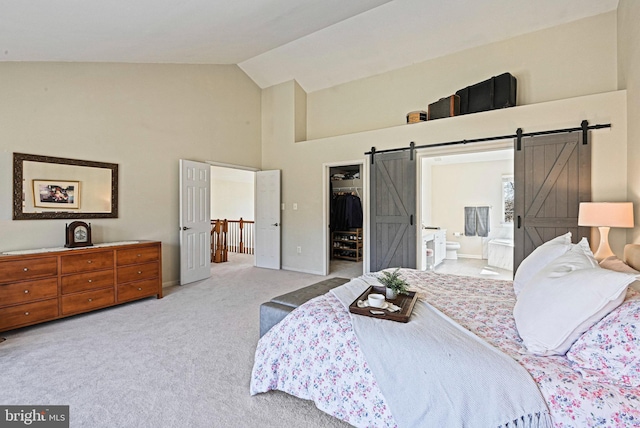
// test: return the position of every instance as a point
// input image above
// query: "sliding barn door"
(552, 176)
(393, 211)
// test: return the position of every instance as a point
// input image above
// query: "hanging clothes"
(346, 212)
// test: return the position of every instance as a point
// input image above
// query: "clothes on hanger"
(346, 212)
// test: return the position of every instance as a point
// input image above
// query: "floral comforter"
(314, 354)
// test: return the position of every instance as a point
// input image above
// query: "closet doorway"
(345, 219)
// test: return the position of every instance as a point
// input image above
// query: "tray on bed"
(405, 301)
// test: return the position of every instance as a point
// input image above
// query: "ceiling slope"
(319, 43)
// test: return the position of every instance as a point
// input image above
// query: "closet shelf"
(347, 244)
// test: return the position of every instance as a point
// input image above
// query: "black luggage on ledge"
(494, 93)
(444, 107)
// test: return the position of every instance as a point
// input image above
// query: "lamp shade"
(609, 214)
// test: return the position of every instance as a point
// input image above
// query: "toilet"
(452, 250)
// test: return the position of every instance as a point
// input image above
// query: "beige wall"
(142, 117)
(303, 163)
(564, 63)
(570, 60)
(629, 79)
(146, 117)
(232, 194)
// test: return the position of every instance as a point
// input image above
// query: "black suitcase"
(444, 107)
(497, 92)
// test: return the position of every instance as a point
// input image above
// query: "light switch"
(295, 206)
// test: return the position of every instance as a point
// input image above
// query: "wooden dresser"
(44, 286)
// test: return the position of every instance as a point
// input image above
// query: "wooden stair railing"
(234, 236)
(219, 241)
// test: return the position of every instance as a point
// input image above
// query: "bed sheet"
(314, 354)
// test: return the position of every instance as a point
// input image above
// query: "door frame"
(326, 205)
(445, 151)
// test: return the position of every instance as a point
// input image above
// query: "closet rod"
(518, 135)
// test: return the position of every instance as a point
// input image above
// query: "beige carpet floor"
(181, 361)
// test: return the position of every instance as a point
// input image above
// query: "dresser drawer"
(136, 290)
(87, 281)
(137, 272)
(87, 262)
(29, 313)
(21, 270)
(27, 291)
(137, 255)
(82, 302)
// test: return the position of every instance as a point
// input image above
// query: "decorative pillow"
(540, 258)
(609, 351)
(614, 263)
(566, 298)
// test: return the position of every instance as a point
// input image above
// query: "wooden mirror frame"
(18, 214)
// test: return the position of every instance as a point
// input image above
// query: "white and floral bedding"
(314, 354)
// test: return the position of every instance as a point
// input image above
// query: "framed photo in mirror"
(59, 194)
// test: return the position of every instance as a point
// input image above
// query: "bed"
(371, 373)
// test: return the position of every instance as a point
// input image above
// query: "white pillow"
(566, 298)
(540, 258)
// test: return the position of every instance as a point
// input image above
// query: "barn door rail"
(584, 126)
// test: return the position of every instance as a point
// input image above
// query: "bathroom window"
(508, 187)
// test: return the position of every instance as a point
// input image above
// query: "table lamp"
(605, 215)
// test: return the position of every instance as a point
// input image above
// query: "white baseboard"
(469, 256)
(312, 272)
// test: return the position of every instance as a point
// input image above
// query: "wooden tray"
(405, 301)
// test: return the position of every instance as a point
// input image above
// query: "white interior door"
(267, 244)
(195, 221)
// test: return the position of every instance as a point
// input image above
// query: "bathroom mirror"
(47, 187)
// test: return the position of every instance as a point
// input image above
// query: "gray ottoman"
(274, 311)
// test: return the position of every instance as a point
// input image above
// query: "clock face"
(80, 234)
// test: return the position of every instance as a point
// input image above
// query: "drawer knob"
(91, 280)
(91, 300)
(139, 272)
(89, 261)
(26, 313)
(26, 269)
(26, 291)
(139, 255)
(139, 288)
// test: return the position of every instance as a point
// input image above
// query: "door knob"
(185, 228)
(274, 224)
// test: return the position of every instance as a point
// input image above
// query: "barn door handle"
(519, 222)
(411, 219)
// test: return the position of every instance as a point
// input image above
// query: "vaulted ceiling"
(319, 43)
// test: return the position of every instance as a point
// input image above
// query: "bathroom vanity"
(436, 240)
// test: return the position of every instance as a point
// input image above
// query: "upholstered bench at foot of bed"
(274, 311)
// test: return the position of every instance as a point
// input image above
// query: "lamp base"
(604, 250)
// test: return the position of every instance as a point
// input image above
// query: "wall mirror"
(46, 187)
